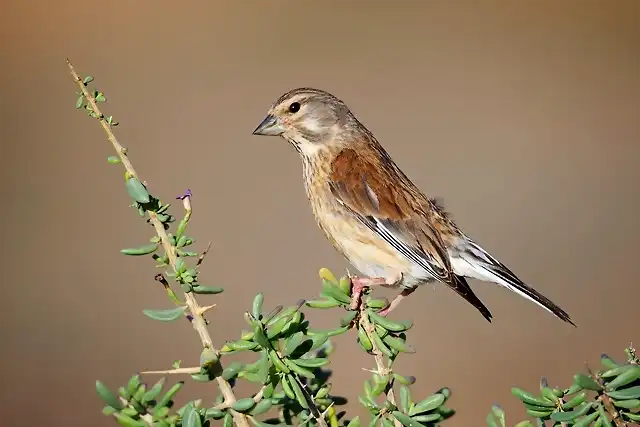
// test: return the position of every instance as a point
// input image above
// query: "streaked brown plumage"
(372, 212)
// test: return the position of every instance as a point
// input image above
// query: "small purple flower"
(187, 194)
(186, 200)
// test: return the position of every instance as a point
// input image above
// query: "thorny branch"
(199, 322)
(382, 370)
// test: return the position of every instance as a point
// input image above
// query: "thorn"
(204, 254)
(326, 411)
(258, 397)
(205, 309)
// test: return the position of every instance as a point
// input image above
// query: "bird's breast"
(364, 249)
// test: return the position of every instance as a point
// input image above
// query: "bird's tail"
(490, 269)
(461, 287)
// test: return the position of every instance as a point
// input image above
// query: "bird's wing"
(374, 193)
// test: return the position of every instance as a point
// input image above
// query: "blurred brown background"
(524, 116)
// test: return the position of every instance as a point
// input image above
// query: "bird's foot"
(385, 311)
(402, 295)
(359, 284)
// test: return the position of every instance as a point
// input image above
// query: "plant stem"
(199, 323)
(382, 370)
(606, 401)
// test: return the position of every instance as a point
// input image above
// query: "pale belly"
(368, 253)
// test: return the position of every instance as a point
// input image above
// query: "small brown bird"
(373, 214)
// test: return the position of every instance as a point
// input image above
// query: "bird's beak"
(270, 126)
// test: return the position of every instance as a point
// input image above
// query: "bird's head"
(310, 119)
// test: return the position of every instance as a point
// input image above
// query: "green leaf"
(332, 291)
(142, 250)
(586, 421)
(627, 377)
(87, 79)
(214, 413)
(100, 97)
(291, 364)
(491, 421)
(239, 345)
(571, 415)
(114, 160)
(257, 306)
(127, 421)
(316, 362)
(108, 396)
(627, 393)
(627, 404)
(576, 400)
(355, 422)
(345, 285)
(405, 398)
(191, 417)
(405, 380)
(527, 397)
(428, 418)
(298, 391)
(322, 303)
(133, 384)
(153, 391)
(263, 367)
(137, 190)
(232, 370)
(208, 357)
(181, 241)
(376, 303)
(398, 344)
(206, 290)
(379, 384)
(109, 410)
(80, 101)
(406, 420)
(243, 405)
(632, 417)
(261, 407)
(165, 315)
(389, 324)
(608, 362)
(586, 383)
(345, 321)
(614, 372)
(260, 337)
(202, 378)
(293, 342)
(164, 400)
(180, 267)
(428, 404)
(318, 340)
(382, 346)
(326, 274)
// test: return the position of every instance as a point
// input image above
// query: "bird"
(374, 215)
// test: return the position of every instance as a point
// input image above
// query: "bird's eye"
(294, 107)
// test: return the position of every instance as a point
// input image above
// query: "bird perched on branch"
(373, 214)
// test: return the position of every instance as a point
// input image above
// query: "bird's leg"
(358, 284)
(405, 293)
